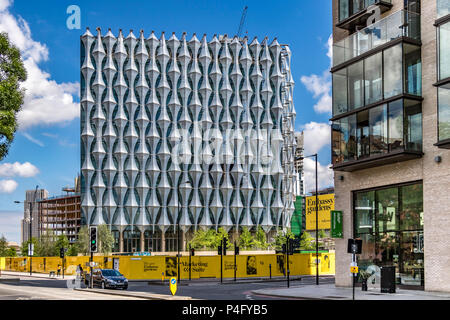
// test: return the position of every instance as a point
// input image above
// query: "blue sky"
(46, 148)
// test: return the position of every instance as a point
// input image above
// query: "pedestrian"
(79, 271)
(59, 270)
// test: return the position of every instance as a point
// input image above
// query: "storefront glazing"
(390, 223)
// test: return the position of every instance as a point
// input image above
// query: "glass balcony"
(399, 24)
(444, 116)
(392, 72)
(383, 134)
(353, 12)
(443, 8)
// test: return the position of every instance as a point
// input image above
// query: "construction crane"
(241, 24)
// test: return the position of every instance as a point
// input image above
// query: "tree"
(280, 238)
(11, 252)
(12, 74)
(46, 245)
(219, 235)
(61, 242)
(260, 240)
(105, 239)
(307, 242)
(246, 240)
(3, 246)
(82, 242)
(72, 251)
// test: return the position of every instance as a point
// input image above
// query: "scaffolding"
(60, 215)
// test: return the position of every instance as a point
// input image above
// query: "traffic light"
(219, 250)
(93, 243)
(61, 253)
(291, 246)
(192, 252)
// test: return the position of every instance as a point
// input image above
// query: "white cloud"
(324, 173)
(34, 140)
(320, 86)
(315, 136)
(24, 170)
(8, 186)
(46, 101)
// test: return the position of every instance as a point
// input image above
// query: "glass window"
(364, 212)
(362, 134)
(358, 5)
(355, 85)
(395, 125)
(349, 128)
(378, 130)
(372, 78)
(387, 209)
(340, 91)
(393, 71)
(443, 8)
(411, 214)
(444, 51)
(444, 112)
(343, 9)
(337, 137)
(387, 249)
(413, 70)
(413, 125)
(389, 221)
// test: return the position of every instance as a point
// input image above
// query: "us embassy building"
(183, 134)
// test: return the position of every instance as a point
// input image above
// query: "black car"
(107, 278)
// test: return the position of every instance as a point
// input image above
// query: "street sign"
(30, 249)
(354, 269)
(173, 285)
(336, 224)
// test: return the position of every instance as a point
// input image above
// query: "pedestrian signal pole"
(219, 251)
(93, 248)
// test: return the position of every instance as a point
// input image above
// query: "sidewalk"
(35, 275)
(331, 292)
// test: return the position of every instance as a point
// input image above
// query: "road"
(49, 289)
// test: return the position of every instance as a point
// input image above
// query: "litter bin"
(388, 279)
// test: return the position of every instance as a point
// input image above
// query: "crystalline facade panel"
(193, 133)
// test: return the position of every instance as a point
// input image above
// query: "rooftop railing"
(399, 24)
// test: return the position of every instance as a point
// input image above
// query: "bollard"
(270, 271)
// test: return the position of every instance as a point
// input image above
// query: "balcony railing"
(399, 24)
(443, 8)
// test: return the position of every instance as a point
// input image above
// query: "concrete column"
(142, 241)
(163, 241)
(120, 241)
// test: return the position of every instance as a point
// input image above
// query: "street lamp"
(317, 218)
(30, 220)
(184, 184)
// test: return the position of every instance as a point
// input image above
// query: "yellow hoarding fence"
(158, 267)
